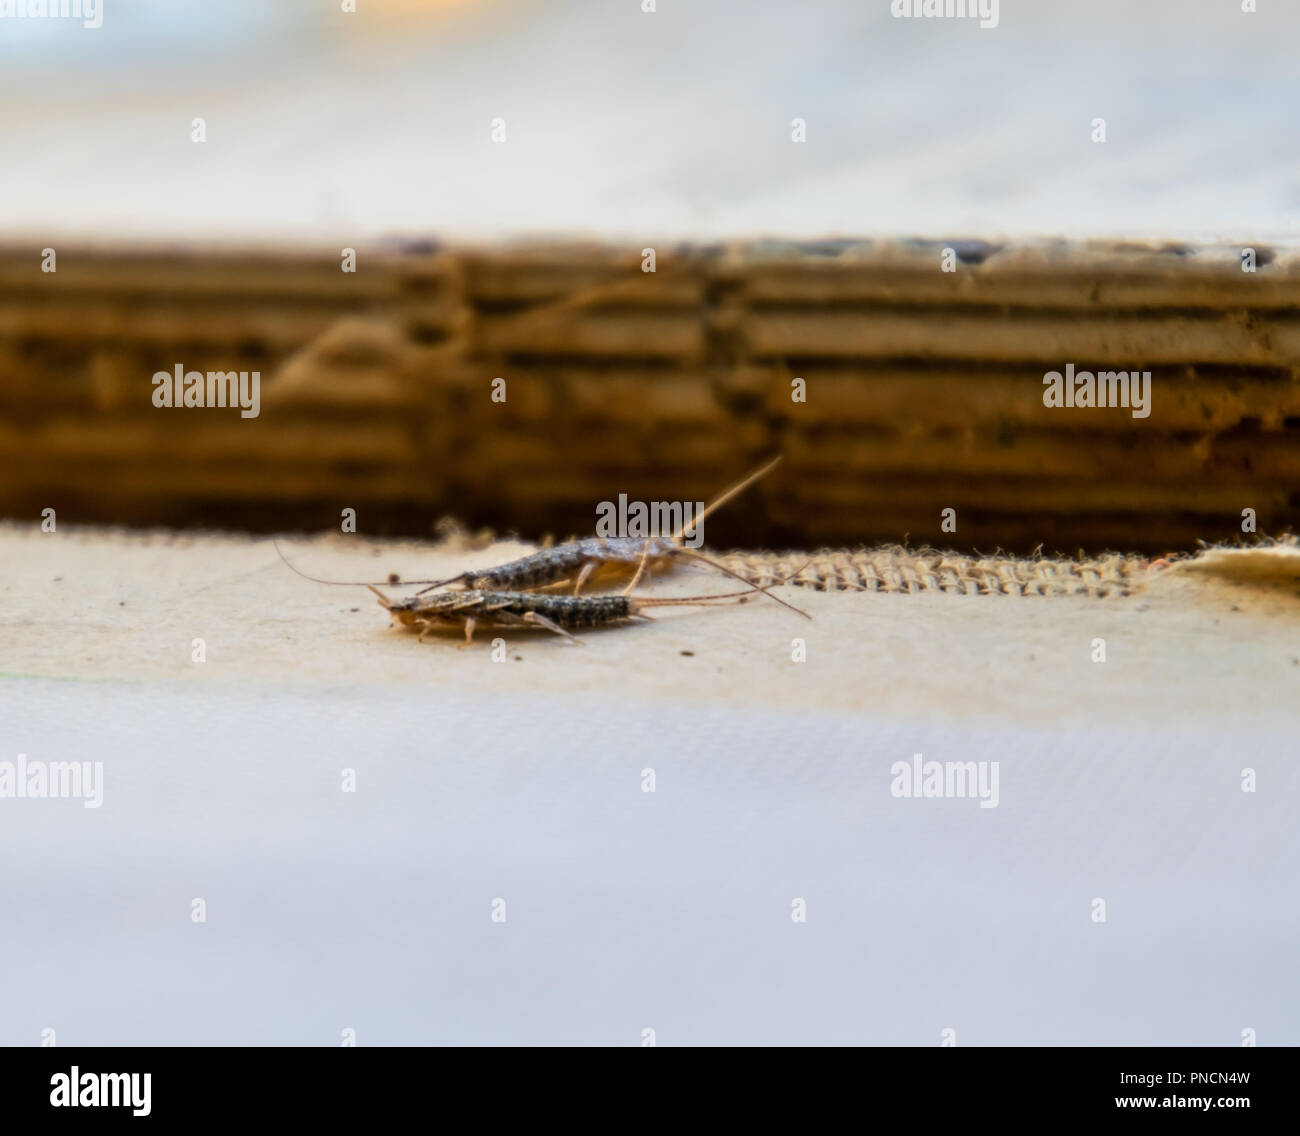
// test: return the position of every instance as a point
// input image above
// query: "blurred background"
(674, 124)
(777, 260)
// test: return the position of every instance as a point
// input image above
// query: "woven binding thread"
(896, 569)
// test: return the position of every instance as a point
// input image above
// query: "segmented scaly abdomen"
(535, 571)
(564, 562)
(573, 613)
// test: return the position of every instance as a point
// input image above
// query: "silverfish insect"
(558, 613)
(578, 560)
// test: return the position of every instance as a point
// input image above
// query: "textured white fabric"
(628, 910)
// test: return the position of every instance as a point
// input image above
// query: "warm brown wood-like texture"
(923, 389)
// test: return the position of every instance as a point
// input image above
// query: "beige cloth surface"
(1198, 638)
(522, 783)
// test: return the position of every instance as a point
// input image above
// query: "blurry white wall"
(325, 125)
